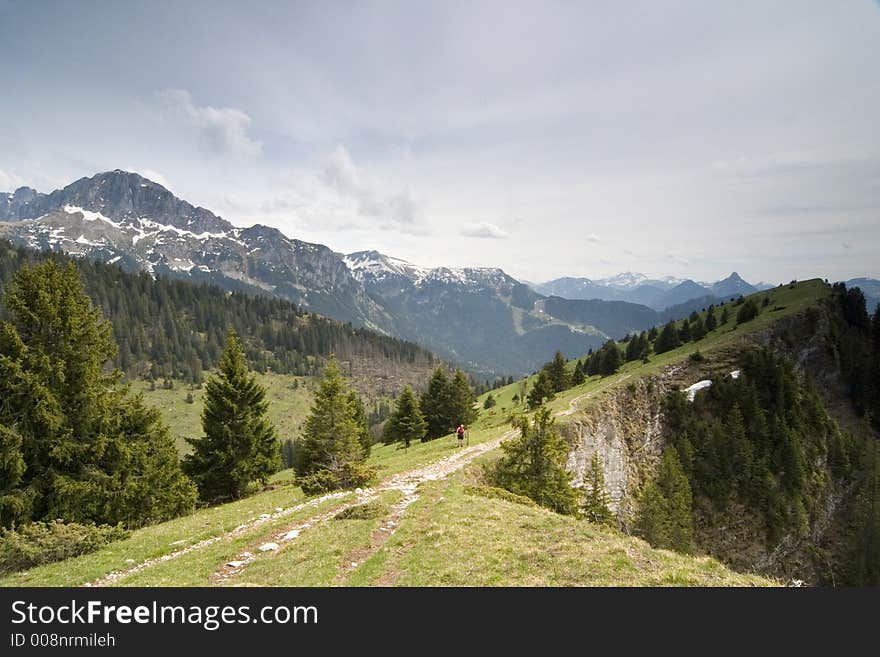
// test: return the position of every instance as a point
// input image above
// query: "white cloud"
(592, 237)
(9, 182)
(150, 174)
(375, 207)
(483, 230)
(221, 130)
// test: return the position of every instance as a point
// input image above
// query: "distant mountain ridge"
(658, 294)
(479, 317)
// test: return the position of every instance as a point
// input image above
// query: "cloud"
(151, 174)
(9, 182)
(483, 230)
(385, 211)
(221, 130)
(592, 237)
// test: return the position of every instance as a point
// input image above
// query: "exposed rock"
(268, 547)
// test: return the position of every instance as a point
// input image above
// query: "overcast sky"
(685, 138)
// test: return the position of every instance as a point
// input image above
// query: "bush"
(350, 475)
(696, 357)
(494, 493)
(44, 542)
(368, 511)
(747, 312)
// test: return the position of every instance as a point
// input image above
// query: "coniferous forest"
(173, 329)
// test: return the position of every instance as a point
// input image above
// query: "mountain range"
(480, 318)
(658, 294)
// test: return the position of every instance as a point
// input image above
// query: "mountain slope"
(121, 217)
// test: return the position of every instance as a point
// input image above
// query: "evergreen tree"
(577, 377)
(610, 359)
(667, 340)
(698, 329)
(666, 515)
(490, 402)
(541, 391)
(406, 424)
(365, 438)
(330, 446)
(533, 465)
(91, 451)
(747, 311)
(240, 445)
(725, 316)
(559, 378)
(652, 334)
(596, 497)
(711, 321)
(436, 403)
(461, 409)
(684, 333)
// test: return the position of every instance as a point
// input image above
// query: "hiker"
(460, 432)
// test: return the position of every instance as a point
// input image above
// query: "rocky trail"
(277, 539)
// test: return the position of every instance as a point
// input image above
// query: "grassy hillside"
(428, 529)
(289, 400)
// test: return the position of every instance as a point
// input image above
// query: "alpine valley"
(480, 318)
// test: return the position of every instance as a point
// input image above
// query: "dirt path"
(406, 482)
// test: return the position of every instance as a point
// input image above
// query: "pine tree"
(725, 316)
(711, 321)
(533, 465)
(490, 402)
(747, 312)
(610, 359)
(667, 340)
(541, 391)
(559, 378)
(435, 404)
(596, 497)
(406, 424)
(92, 452)
(666, 515)
(240, 445)
(461, 409)
(577, 377)
(360, 417)
(330, 446)
(684, 333)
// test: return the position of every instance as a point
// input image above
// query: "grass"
(449, 538)
(320, 556)
(289, 397)
(156, 540)
(784, 301)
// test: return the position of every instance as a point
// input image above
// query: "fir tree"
(711, 321)
(667, 340)
(240, 445)
(747, 312)
(534, 464)
(666, 516)
(435, 404)
(577, 377)
(365, 438)
(684, 332)
(559, 378)
(541, 391)
(330, 445)
(610, 359)
(490, 402)
(596, 497)
(92, 452)
(406, 424)
(725, 316)
(462, 398)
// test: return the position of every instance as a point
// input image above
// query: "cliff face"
(627, 427)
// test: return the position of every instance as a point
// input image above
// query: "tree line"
(166, 328)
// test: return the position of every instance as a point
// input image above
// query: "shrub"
(349, 475)
(747, 312)
(368, 511)
(44, 542)
(493, 493)
(696, 357)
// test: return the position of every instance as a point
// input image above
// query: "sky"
(675, 138)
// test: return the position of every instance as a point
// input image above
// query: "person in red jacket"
(460, 432)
